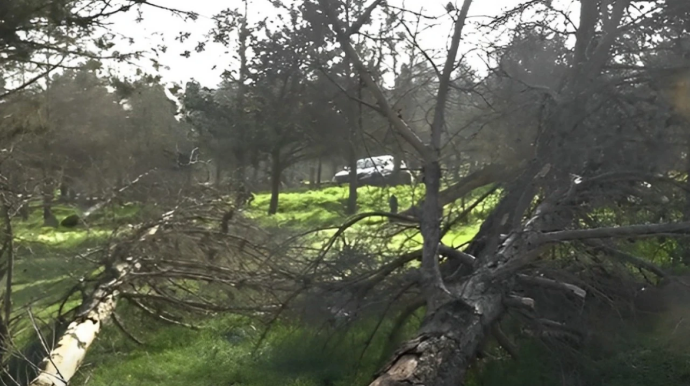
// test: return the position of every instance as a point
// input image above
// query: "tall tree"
(461, 310)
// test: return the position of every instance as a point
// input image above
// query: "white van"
(375, 171)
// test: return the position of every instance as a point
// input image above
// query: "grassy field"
(51, 260)
(223, 352)
(325, 209)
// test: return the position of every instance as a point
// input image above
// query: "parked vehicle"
(376, 171)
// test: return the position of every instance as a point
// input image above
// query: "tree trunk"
(318, 174)
(433, 285)
(452, 334)
(9, 257)
(352, 197)
(275, 182)
(219, 173)
(8, 249)
(488, 175)
(49, 218)
(312, 176)
(64, 361)
(58, 368)
(447, 343)
(685, 245)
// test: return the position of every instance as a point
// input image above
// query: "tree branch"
(624, 231)
(444, 81)
(627, 258)
(401, 127)
(354, 28)
(553, 284)
(464, 258)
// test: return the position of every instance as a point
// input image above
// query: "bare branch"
(679, 229)
(401, 127)
(553, 284)
(504, 341)
(627, 258)
(514, 301)
(121, 327)
(444, 81)
(354, 28)
(464, 258)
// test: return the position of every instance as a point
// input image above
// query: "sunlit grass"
(220, 353)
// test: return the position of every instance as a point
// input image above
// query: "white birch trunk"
(64, 360)
(58, 368)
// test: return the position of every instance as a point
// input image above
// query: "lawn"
(223, 352)
(325, 209)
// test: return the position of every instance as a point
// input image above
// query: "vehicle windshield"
(366, 163)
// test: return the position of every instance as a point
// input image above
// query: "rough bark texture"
(453, 333)
(431, 231)
(441, 352)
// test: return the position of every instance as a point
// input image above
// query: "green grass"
(223, 353)
(293, 355)
(325, 209)
(48, 262)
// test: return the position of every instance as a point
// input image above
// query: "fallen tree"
(462, 307)
(159, 267)
(64, 359)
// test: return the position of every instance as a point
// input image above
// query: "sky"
(159, 26)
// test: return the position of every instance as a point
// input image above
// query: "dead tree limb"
(462, 257)
(64, 359)
(553, 284)
(627, 258)
(505, 342)
(485, 176)
(121, 327)
(680, 228)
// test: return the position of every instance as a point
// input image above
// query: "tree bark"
(9, 257)
(431, 231)
(312, 176)
(8, 252)
(48, 216)
(63, 361)
(276, 172)
(446, 344)
(352, 188)
(318, 173)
